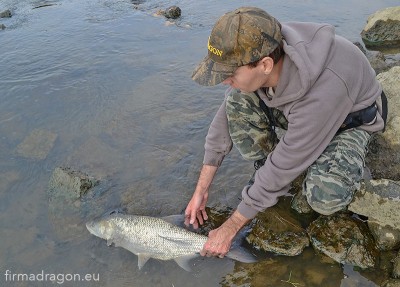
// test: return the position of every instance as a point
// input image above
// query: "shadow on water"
(104, 87)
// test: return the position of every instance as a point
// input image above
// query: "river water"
(104, 87)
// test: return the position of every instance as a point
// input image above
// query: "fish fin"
(241, 254)
(183, 261)
(142, 259)
(176, 219)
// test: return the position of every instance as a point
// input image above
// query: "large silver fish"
(151, 237)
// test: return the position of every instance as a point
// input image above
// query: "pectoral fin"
(142, 259)
(183, 261)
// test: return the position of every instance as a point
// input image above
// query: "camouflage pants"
(331, 180)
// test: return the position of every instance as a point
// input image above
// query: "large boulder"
(383, 158)
(383, 28)
(345, 239)
(379, 200)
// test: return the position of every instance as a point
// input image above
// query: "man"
(297, 76)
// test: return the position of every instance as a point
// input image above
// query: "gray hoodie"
(324, 77)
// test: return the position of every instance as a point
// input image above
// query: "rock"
(72, 182)
(300, 204)
(344, 239)
(383, 28)
(276, 230)
(173, 12)
(392, 283)
(383, 158)
(386, 237)
(396, 266)
(37, 145)
(2, 26)
(390, 82)
(66, 210)
(379, 200)
(5, 14)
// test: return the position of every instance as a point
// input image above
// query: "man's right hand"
(195, 212)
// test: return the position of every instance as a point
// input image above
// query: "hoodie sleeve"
(313, 122)
(218, 141)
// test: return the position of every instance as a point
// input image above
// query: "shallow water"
(111, 85)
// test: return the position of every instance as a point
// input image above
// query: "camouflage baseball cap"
(240, 37)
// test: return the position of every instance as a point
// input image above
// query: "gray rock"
(66, 210)
(5, 14)
(386, 237)
(75, 183)
(384, 153)
(345, 239)
(379, 200)
(173, 12)
(2, 26)
(383, 28)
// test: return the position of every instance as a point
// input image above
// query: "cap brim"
(210, 73)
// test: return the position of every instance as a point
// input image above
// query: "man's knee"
(328, 197)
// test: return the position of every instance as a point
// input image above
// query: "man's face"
(247, 79)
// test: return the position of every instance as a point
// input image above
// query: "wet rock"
(277, 230)
(386, 237)
(345, 239)
(2, 26)
(379, 200)
(396, 266)
(37, 145)
(173, 12)
(383, 28)
(75, 183)
(66, 210)
(5, 14)
(300, 204)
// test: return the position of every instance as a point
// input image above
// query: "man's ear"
(267, 64)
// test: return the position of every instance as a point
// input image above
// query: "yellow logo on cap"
(213, 49)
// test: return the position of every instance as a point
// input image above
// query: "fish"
(156, 237)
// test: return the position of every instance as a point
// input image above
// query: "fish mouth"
(90, 227)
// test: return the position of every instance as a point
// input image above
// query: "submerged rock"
(345, 239)
(37, 144)
(386, 237)
(383, 28)
(277, 230)
(66, 187)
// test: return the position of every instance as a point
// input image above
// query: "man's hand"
(195, 212)
(220, 239)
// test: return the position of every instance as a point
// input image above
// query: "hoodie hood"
(308, 48)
